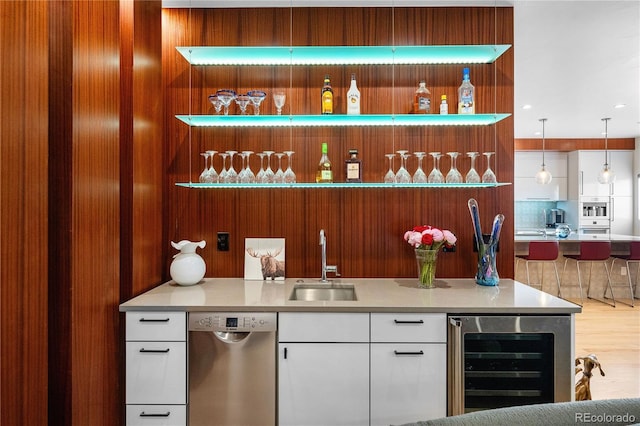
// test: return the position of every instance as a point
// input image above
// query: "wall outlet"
(223, 241)
(623, 270)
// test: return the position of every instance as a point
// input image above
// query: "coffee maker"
(553, 217)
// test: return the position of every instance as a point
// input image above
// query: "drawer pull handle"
(154, 319)
(408, 322)
(154, 351)
(167, 414)
(408, 353)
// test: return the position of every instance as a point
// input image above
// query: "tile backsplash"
(530, 214)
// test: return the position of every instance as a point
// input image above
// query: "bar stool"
(541, 252)
(592, 251)
(632, 257)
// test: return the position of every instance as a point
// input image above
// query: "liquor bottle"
(327, 96)
(444, 107)
(422, 99)
(324, 173)
(466, 95)
(353, 167)
(353, 98)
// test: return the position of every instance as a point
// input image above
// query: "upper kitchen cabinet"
(584, 167)
(621, 162)
(527, 164)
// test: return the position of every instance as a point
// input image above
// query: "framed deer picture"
(264, 259)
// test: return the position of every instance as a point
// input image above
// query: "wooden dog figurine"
(583, 387)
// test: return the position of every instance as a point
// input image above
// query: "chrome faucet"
(326, 268)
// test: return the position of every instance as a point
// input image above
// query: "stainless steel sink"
(321, 292)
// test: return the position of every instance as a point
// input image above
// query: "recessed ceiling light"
(620, 105)
(527, 106)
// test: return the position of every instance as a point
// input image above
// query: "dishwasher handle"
(455, 372)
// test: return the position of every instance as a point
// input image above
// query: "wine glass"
(226, 96)
(232, 176)
(472, 175)
(248, 176)
(260, 174)
(279, 176)
(205, 177)
(436, 175)
(212, 171)
(268, 173)
(390, 177)
(489, 176)
(243, 170)
(242, 101)
(256, 96)
(222, 177)
(289, 176)
(279, 99)
(454, 176)
(217, 103)
(419, 176)
(402, 175)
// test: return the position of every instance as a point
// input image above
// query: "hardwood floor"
(613, 335)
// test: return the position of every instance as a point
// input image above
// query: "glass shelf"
(307, 185)
(341, 120)
(342, 55)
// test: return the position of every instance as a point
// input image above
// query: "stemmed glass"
(489, 176)
(217, 103)
(402, 175)
(289, 176)
(472, 175)
(205, 177)
(419, 176)
(226, 96)
(436, 175)
(260, 174)
(268, 173)
(232, 176)
(279, 99)
(212, 171)
(248, 176)
(222, 177)
(454, 176)
(243, 170)
(243, 101)
(256, 96)
(390, 177)
(279, 176)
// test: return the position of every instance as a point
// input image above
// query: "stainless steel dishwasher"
(232, 368)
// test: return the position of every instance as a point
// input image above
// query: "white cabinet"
(621, 215)
(408, 367)
(156, 368)
(584, 167)
(323, 374)
(527, 164)
(621, 162)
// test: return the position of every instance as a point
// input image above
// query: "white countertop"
(456, 296)
(578, 237)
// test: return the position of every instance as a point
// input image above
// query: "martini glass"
(212, 171)
(436, 175)
(217, 103)
(489, 176)
(268, 173)
(232, 175)
(402, 175)
(279, 98)
(256, 96)
(260, 174)
(390, 177)
(419, 176)
(243, 101)
(222, 177)
(226, 96)
(279, 176)
(205, 177)
(248, 177)
(454, 176)
(472, 175)
(289, 176)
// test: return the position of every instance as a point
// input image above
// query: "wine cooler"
(501, 361)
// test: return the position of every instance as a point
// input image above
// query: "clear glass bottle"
(327, 96)
(422, 99)
(353, 167)
(353, 98)
(324, 173)
(466, 95)
(444, 107)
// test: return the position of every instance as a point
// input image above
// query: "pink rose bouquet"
(429, 238)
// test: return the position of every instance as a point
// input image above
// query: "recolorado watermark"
(604, 418)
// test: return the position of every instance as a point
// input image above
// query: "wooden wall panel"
(364, 227)
(23, 212)
(573, 144)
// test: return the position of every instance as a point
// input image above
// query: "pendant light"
(543, 177)
(606, 175)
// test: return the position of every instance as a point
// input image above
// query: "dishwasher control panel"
(233, 321)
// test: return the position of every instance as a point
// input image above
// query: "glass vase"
(426, 260)
(487, 274)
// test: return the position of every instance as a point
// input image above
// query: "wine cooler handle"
(455, 372)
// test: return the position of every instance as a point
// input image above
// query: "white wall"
(636, 188)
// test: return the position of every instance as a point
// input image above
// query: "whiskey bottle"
(353, 167)
(324, 173)
(327, 96)
(422, 99)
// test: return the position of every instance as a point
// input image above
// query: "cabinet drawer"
(156, 373)
(323, 327)
(408, 327)
(156, 415)
(156, 326)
